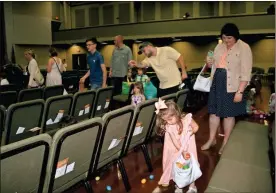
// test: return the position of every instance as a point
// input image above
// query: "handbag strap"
(57, 65)
(203, 69)
(212, 68)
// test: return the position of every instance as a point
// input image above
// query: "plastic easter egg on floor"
(143, 181)
(97, 178)
(151, 177)
(108, 188)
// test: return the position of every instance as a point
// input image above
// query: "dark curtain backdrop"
(3, 45)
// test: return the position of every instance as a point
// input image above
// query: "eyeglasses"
(89, 44)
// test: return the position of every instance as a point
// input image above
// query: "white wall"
(28, 25)
(28, 29)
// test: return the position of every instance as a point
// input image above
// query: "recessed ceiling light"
(138, 41)
(176, 39)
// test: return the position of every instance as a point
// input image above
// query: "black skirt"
(222, 103)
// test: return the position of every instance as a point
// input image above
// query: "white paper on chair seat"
(181, 85)
(87, 109)
(70, 167)
(138, 130)
(60, 171)
(61, 168)
(49, 122)
(81, 113)
(57, 120)
(59, 116)
(114, 143)
(99, 107)
(65, 92)
(35, 129)
(106, 104)
(20, 130)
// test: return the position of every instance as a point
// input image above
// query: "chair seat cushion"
(121, 98)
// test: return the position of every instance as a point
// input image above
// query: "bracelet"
(239, 92)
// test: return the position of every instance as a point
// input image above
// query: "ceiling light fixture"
(138, 41)
(176, 39)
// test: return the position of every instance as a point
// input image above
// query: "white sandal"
(192, 190)
(178, 190)
(157, 190)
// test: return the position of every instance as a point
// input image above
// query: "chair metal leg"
(88, 187)
(124, 175)
(147, 157)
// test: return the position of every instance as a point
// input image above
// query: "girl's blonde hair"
(172, 110)
(139, 85)
(31, 52)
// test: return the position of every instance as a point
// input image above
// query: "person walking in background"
(54, 69)
(32, 69)
(121, 56)
(164, 62)
(97, 70)
(231, 72)
(64, 65)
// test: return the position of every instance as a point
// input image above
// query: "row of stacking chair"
(30, 118)
(78, 152)
(10, 97)
(9, 87)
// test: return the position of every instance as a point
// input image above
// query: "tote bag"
(39, 78)
(150, 90)
(186, 171)
(203, 84)
(125, 88)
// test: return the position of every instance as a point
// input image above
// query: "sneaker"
(192, 190)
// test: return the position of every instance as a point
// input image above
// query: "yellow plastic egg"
(97, 178)
(143, 181)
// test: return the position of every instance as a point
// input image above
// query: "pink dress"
(170, 152)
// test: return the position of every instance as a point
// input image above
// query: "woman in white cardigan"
(32, 68)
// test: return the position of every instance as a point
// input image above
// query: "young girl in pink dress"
(173, 124)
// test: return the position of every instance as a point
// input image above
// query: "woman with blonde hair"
(54, 69)
(35, 79)
(174, 126)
